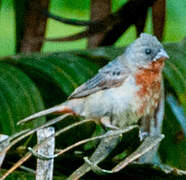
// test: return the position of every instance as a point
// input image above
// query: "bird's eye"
(148, 51)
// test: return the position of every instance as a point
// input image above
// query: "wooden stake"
(45, 167)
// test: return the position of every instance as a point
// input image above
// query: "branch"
(49, 123)
(140, 22)
(113, 25)
(97, 13)
(64, 20)
(158, 17)
(34, 26)
(124, 18)
(29, 154)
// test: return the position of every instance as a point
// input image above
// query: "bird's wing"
(111, 75)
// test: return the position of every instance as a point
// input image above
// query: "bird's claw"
(95, 168)
(105, 121)
(169, 170)
(142, 135)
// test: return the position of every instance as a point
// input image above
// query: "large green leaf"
(175, 70)
(18, 98)
(65, 70)
(173, 147)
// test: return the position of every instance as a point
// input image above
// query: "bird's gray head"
(146, 49)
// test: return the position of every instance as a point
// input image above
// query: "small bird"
(122, 93)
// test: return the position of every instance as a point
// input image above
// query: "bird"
(124, 92)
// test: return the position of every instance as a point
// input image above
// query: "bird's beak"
(162, 54)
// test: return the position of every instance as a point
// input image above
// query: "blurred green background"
(175, 28)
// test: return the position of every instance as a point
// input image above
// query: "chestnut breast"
(149, 80)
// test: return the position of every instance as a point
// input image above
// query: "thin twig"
(27, 169)
(14, 136)
(53, 121)
(67, 20)
(114, 133)
(28, 155)
(146, 146)
(16, 165)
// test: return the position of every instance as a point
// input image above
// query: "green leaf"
(65, 70)
(175, 70)
(172, 148)
(19, 98)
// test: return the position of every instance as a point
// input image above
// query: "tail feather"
(74, 107)
(55, 109)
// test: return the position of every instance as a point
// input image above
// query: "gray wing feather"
(111, 75)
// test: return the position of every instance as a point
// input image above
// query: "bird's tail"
(67, 107)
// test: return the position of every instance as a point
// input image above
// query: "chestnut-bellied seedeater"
(122, 93)
(127, 91)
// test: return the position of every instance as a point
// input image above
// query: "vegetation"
(37, 74)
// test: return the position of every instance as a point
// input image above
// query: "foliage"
(36, 81)
(55, 75)
(19, 97)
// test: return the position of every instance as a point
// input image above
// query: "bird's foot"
(95, 168)
(142, 135)
(105, 121)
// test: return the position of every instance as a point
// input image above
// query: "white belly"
(119, 103)
(126, 104)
